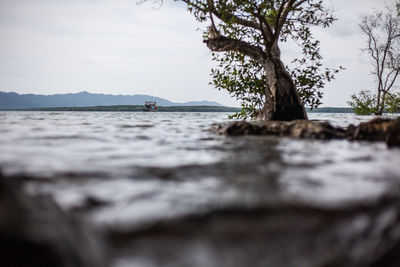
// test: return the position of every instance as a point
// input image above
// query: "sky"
(119, 47)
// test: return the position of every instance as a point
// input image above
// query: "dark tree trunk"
(382, 104)
(282, 101)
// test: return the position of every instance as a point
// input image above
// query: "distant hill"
(84, 99)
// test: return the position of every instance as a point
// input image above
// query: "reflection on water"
(141, 168)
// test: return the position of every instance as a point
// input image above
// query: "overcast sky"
(118, 47)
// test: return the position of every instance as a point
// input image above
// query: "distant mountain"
(85, 99)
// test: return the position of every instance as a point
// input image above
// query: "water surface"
(141, 168)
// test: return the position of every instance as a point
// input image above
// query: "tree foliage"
(248, 33)
(364, 103)
(244, 78)
(392, 104)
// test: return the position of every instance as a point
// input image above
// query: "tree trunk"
(378, 102)
(383, 100)
(282, 101)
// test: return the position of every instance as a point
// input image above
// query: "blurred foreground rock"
(35, 233)
(378, 129)
(285, 235)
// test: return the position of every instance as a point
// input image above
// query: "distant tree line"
(136, 108)
(140, 108)
(330, 110)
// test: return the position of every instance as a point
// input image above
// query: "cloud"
(116, 46)
(106, 46)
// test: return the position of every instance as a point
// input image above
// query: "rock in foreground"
(378, 129)
(35, 232)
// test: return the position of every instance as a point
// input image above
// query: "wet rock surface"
(35, 232)
(393, 136)
(378, 129)
(285, 235)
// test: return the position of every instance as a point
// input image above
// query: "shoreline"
(139, 108)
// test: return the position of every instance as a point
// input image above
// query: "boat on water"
(150, 106)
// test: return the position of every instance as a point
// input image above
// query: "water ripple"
(132, 168)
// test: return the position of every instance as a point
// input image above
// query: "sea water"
(132, 148)
(150, 167)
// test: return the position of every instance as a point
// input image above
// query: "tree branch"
(394, 80)
(388, 78)
(283, 13)
(223, 44)
(265, 30)
(226, 17)
(387, 47)
(299, 3)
